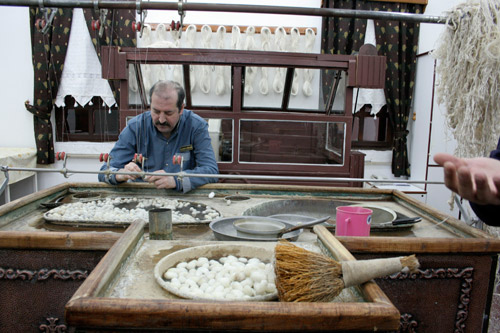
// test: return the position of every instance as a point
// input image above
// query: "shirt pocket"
(186, 160)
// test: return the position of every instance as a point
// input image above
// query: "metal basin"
(310, 208)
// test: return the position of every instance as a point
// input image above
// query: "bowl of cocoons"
(219, 272)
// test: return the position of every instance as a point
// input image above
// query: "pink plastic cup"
(353, 221)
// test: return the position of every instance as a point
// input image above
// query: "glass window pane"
(210, 85)
(77, 120)
(106, 122)
(221, 134)
(370, 130)
(333, 83)
(291, 142)
(263, 87)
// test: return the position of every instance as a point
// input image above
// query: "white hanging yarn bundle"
(177, 75)
(236, 38)
(265, 37)
(294, 47)
(308, 73)
(220, 80)
(190, 41)
(250, 71)
(161, 41)
(206, 36)
(279, 76)
(469, 77)
(147, 73)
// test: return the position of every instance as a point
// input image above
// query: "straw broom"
(305, 276)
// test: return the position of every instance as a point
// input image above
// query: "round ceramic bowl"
(216, 252)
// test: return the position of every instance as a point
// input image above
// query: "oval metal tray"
(97, 222)
(224, 229)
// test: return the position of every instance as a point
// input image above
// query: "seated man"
(476, 180)
(167, 130)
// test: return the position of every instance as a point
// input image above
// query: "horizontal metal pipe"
(215, 7)
(65, 172)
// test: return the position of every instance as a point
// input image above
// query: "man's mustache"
(162, 124)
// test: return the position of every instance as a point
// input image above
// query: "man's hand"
(131, 167)
(161, 181)
(474, 179)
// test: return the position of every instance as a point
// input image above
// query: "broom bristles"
(305, 276)
(411, 262)
(300, 275)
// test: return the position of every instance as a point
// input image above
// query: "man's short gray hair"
(165, 85)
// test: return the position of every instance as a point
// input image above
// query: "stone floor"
(494, 325)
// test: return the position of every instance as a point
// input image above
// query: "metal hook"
(102, 17)
(48, 19)
(142, 18)
(181, 12)
(5, 170)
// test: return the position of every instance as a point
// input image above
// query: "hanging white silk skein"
(177, 69)
(147, 74)
(265, 37)
(236, 38)
(190, 42)
(220, 80)
(161, 37)
(279, 76)
(294, 46)
(310, 38)
(206, 36)
(250, 72)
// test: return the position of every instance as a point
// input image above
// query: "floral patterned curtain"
(48, 54)
(398, 41)
(341, 35)
(117, 32)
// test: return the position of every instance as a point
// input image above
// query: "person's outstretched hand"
(474, 179)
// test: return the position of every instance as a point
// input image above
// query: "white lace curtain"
(82, 73)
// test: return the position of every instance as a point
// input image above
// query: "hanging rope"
(310, 37)
(468, 76)
(265, 36)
